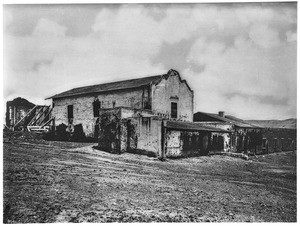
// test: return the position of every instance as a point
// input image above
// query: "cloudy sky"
(240, 58)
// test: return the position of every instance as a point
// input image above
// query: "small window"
(275, 143)
(173, 110)
(264, 142)
(70, 111)
(96, 107)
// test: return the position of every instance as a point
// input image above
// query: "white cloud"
(264, 36)
(250, 72)
(291, 36)
(255, 15)
(131, 30)
(7, 19)
(49, 28)
(239, 48)
(56, 62)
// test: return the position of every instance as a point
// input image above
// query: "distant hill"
(286, 124)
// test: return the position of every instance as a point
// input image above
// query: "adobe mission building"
(151, 115)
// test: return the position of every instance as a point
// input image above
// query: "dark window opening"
(264, 142)
(147, 105)
(70, 111)
(173, 110)
(96, 107)
(275, 143)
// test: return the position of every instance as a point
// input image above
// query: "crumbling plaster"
(172, 89)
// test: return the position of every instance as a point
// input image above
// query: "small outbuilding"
(138, 131)
(245, 137)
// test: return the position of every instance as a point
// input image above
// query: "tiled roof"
(119, 85)
(126, 84)
(192, 126)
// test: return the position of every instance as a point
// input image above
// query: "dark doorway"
(70, 111)
(96, 131)
(96, 107)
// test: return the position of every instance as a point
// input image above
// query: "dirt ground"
(46, 181)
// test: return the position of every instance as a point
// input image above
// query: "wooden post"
(163, 140)
(45, 117)
(14, 120)
(25, 116)
(45, 108)
(37, 112)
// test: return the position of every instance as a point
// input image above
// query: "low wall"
(109, 132)
(277, 140)
(125, 130)
(144, 134)
(185, 143)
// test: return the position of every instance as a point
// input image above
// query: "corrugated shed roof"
(126, 84)
(192, 126)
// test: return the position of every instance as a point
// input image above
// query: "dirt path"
(72, 182)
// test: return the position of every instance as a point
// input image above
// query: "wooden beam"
(25, 116)
(40, 115)
(37, 113)
(46, 116)
(46, 123)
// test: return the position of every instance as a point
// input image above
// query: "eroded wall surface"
(155, 99)
(82, 112)
(144, 134)
(172, 90)
(247, 140)
(276, 140)
(110, 137)
(185, 143)
(226, 137)
(83, 107)
(174, 144)
(134, 134)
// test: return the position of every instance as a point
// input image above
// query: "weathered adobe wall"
(120, 134)
(174, 144)
(83, 106)
(227, 141)
(110, 130)
(247, 140)
(132, 113)
(134, 98)
(226, 136)
(144, 134)
(168, 88)
(82, 112)
(279, 140)
(184, 143)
